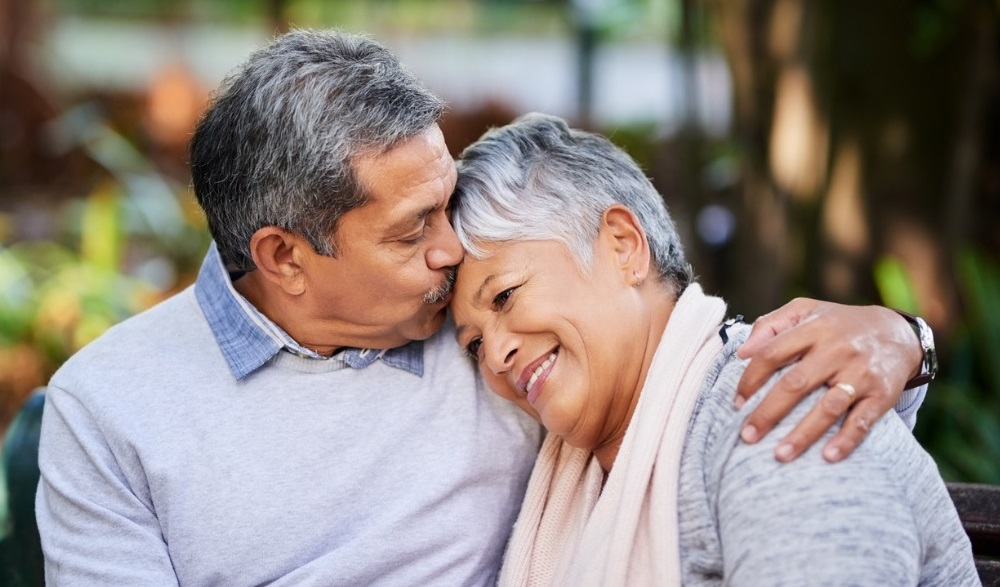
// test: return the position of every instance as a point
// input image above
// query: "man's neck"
(291, 314)
(280, 308)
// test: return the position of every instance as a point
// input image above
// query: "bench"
(979, 509)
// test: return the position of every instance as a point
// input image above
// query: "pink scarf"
(569, 531)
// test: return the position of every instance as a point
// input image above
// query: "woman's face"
(564, 344)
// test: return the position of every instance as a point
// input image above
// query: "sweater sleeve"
(868, 520)
(95, 529)
(909, 403)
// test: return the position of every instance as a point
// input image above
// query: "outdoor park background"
(840, 149)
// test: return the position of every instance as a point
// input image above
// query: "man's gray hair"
(537, 179)
(276, 146)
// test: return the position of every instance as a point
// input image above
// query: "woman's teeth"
(541, 368)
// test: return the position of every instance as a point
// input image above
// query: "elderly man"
(302, 414)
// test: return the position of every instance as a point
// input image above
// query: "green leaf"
(894, 285)
(101, 232)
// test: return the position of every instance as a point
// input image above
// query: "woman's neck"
(660, 304)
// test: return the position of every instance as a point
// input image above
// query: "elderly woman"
(577, 302)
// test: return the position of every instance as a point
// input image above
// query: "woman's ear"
(276, 253)
(622, 232)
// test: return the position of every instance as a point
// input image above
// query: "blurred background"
(838, 149)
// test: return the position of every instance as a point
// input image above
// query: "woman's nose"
(500, 356)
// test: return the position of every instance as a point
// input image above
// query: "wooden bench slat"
(978, 507)
(989, 572)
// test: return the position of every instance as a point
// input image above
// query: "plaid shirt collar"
(249, 339)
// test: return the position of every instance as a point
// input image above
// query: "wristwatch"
(929, 366)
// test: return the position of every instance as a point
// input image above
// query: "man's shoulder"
(442, 349)
(159, 335)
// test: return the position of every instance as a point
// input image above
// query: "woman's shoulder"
(715, 411)
(886, 498)
(889, 453)
(713, 437)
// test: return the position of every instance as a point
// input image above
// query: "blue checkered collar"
(249, 339)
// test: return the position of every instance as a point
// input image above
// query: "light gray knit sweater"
(160, 468)
(880, 517)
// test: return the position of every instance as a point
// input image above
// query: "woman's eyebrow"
(479, 292)
(459, 329)
(476, 300)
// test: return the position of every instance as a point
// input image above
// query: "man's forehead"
(413, 152)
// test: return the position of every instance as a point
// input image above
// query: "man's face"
(391, 279)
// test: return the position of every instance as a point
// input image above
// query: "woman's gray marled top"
(880, 517)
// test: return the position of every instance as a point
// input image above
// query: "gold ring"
(848, 389)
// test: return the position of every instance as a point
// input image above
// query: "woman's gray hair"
(276, 146)
(537, 179)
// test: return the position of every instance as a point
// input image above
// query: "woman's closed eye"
(472, 349)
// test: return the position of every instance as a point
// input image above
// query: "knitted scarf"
(570, 531)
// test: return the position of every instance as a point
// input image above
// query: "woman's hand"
(870, 348)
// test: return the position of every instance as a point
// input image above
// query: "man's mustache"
(439, 293)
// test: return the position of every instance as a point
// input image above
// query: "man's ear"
(622, 232)
(278, 256)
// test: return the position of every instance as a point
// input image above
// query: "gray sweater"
(160, 468)
(880, 517)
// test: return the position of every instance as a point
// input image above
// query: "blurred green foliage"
(135, 238)
(56, 297)
(958, 423)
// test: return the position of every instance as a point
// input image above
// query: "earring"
(638, 281)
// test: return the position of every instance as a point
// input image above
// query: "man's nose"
(445, 251)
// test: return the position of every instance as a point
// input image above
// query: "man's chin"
(431, 325)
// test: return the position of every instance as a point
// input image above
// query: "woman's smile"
(533, 377)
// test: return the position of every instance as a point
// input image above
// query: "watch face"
(927, 343)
